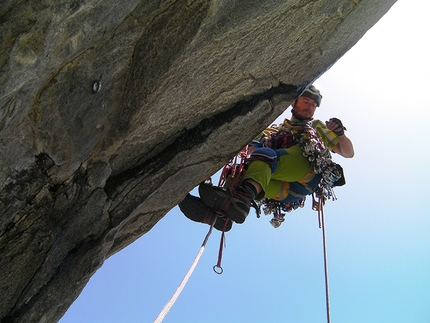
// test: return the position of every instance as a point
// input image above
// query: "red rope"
(218, 268)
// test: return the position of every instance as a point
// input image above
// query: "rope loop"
(218, 269)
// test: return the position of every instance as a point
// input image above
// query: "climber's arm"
(344, 147)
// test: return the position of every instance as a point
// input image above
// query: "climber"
(286, 163)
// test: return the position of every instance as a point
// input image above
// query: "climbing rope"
(218, 268)
(230, 176)
(180, 288)
(319, 206)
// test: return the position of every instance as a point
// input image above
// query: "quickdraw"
(234, 170)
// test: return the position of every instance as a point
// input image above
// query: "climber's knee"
(267, 155)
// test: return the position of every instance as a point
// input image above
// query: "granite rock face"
(107, 105)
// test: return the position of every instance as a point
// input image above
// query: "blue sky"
(377, 231)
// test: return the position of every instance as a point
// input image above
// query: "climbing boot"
(195, 210)
(236, 203)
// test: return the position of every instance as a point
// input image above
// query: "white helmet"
(313, 93)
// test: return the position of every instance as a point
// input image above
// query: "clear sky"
(377, 231)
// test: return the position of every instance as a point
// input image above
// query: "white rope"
(178, 291)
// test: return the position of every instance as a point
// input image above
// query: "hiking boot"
(195, 210)
(235, 203)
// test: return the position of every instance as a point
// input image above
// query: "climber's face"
(304, 108)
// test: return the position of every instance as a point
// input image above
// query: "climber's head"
(304, 107)
(313, 93)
